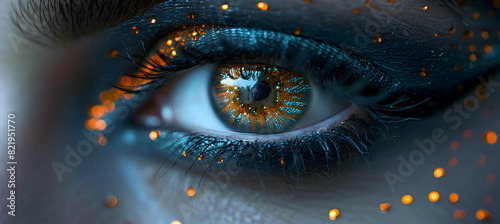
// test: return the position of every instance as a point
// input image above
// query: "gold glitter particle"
(281, 161)
(472, 47)
(135, 30)
(153, 135)
(491, 13)
(174, 53)
(483, 215)
(454, 145)
(491, 178)
(485, 34)
(453, 161)
(451, 30)
(433, 196)
(488, 48)
(473, 57)
(175, 222)
(334, 214)
(191, 15)
(356, 10)
(297, 30)
(424, 7)
(467, 133)
(377, 39)
(459, 214)
(481, 160)
(490, 137)
(368, 2)
(407, 199)
(169, 42)
(184, 154)
(200, 156)
(113, 53)
(475, 15)
(102, 141)
(224, 7)
(111, 201)
(190, 191)
(153, 19)
(453, 198)
(438, 172)
(384, 207)
(263, 6)
(422, 72)
(437, 35)
(467, 35)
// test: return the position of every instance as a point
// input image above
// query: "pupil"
(261, 90)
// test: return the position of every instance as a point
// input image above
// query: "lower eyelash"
(320, 151)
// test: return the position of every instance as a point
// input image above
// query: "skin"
(51, 95)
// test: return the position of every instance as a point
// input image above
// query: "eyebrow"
(60, 20)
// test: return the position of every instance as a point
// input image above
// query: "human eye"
(258, 112)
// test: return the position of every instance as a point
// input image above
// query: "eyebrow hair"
(45, 21)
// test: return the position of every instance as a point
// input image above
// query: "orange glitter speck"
(485, 34)
(377, 39)
(459, 214)
(169, 42)
(407, 199)
(333, 214)
(488, 48)
(491, 178)
(481, 160)
(483, 215)
(422, 72)
(153, 19)
(453, 198)
(263, 6)
(184, 154)
(356, 10)
(90, 124)
(102, 141)
(190, 191)
(490, 137)
(451, 30)
(473, 57)
(175, 222)
(467, 133)
(97, 111)
(488, 199)
(368, 2)
(224, 7)
(424, 7)
(475, 15)
(454, 145)
(453, 161)
(153, 135)
(433, 196)
(437, 35)
(384, 207)
(438, 172)
(113, 53)
(199, 157)
(297, 30)
(100, 125)
(281, 161)
(109, 106)
(174, 53)
(135, 30)
(111, 201)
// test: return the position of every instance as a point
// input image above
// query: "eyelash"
(352, 139)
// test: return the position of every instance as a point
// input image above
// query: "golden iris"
(258, 98)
